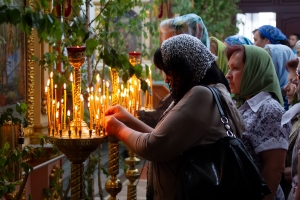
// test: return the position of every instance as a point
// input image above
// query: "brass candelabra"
(76, 140)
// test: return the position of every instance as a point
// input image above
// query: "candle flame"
(55, 86)
(81, 97)
(68, 113)
(98, 78)
(65, 86)
(71, 77)
(107, 84)
(53, 102)
(46, 89)
(62, 101)
(75, 108)
(88, 104)
(57, 105)
(56, 114)
(51, 74)
(88, 89)
(92, 89)
(48, 82)
(122, 87)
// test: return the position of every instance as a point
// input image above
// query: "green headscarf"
(259, 75)
(222, 59)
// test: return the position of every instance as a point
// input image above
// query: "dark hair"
(292, 64)
(297, 35)
(184, 75)
(230, 50)
(283, 42)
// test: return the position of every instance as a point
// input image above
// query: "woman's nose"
(286, 87)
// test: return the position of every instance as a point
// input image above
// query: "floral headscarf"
(237, 40)
(192, 24)
(272, 33)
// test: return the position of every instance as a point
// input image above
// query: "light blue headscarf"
(237, 40)
(280, 55)
(272, 33)
(193, 25)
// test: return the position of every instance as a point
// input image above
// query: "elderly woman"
(268, 34)
(218, 49)
(191, 24)
(253, 81)
(292, 115)
(280, 55)
(237, 40)
(192, 119)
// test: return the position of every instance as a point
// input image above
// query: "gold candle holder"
(132, 173)
(113, 185)
(76, 141)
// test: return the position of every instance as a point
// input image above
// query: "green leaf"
(125, 77)
(2, 161)
(138, 70)
(131, 71)
(14, 16)
(144, 85)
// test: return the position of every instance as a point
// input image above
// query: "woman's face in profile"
(234, 75)
(291, 86)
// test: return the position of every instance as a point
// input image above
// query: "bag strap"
(219, 101)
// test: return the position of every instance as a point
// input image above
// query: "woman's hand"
(113, 126)
(119, 113)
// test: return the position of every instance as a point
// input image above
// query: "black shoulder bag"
(222, 170)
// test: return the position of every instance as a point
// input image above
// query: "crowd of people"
(259, 83)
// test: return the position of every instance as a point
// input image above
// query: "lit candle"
(65, 104)
(48, 106)
(69, 123)
(53, 111)
(57, 125)
(98, 82)
(62, 107)
(55, 86)
(107, 94)
(51, 84)
(73, 103)
(90, 115)
(57, 114)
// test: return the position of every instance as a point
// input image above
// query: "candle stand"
(77, 141)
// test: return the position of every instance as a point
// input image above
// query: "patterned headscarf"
(192, 24)
(237, 40)
(272, 33)
(280, 55)
(185, 55)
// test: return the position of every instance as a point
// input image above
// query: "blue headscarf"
(280, 55)
(237, 40)
(193, 25)
(272, 33)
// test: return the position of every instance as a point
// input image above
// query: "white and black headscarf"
(187, 59)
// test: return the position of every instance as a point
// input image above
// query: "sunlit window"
(251, 21)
